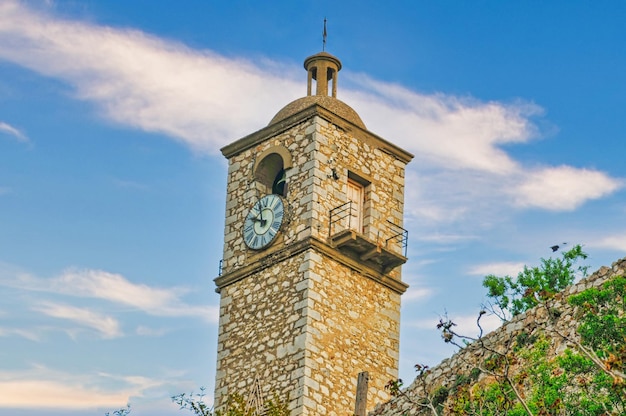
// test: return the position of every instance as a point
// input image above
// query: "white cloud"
(207, 100)
(116, 288)
(111, 287)
(499, 269)
(564, 188)
(42, 388)
(107, 326)
(12, 131)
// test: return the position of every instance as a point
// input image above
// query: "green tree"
(510, 296)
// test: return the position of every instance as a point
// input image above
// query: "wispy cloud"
(7, 129)
(205, 100)
(107, 326)
(116, 288)
(31, 335)
(111, 287)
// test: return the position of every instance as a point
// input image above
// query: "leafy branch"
(510, 296)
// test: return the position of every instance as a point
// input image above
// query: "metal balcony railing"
(394, 237)
(337, 215)
(399, 236)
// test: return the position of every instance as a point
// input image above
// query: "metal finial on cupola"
(324, 34)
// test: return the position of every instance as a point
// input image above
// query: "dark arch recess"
(270, 168)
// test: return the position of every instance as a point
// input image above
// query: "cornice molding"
(321, 247)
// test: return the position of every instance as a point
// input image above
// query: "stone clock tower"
(310, 283)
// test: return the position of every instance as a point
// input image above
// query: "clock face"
(263, 222)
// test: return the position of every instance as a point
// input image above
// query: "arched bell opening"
(270, 170)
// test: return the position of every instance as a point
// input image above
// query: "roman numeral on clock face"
(249, 235)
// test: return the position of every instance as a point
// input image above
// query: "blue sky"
(112, 185)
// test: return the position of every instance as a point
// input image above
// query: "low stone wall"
(531, 322)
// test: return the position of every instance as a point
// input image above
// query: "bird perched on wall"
(556, 247)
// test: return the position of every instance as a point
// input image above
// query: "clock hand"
(262, 220)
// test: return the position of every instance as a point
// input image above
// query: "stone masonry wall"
(262, 332)
(354, 326)
(531, 321)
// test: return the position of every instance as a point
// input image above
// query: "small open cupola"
(322, 68)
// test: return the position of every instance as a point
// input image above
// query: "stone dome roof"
(323, 69)
(330, 103)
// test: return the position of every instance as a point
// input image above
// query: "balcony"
(384, 254)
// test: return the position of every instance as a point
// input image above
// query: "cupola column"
(309, 82)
